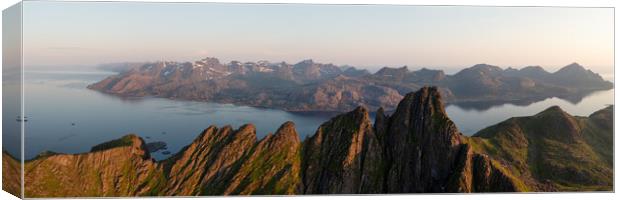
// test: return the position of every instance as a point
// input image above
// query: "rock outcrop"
(421, 144)
(415, 149)
(344, 156)
(208, 161)
(272, 168)
(120, 167)
(226, 161)
(477, 172)
(425, 152)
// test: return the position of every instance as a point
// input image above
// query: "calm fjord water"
(64, 116)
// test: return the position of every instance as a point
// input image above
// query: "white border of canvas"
(564, 3)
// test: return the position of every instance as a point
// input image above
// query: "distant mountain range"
(311, 86)
(415, 149)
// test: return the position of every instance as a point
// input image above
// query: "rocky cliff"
(344, 156)
(120, 167)
(416, 149)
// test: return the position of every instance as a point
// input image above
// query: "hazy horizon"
(371, 69)
(366, 36)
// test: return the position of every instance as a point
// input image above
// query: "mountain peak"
(573, 67)
(485, 66)
(420, 126)
(287, 131)
(247, 128)
(424, 69)
(393, 71)
(428, 95)
(361, 109)
(306, 62)
(534, 68)
(287, 125)
(210, 60)
(480, 69)
(557, 124)
(127, 140)
(608, 110)
(131, 140)
(553, 111)
(339, 157)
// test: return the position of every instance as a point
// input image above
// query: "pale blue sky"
(76, 33)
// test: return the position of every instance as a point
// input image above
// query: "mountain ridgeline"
(415, 149)
(311, 86)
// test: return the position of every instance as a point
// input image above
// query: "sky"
(367, 36)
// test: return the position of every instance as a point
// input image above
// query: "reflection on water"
(486, 105)
(66, 117)
(472, 118)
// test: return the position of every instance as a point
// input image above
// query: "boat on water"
(19, 119)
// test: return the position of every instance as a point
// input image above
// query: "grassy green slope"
(553, 150)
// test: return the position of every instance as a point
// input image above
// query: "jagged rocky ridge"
(416, 149)
(311, 86)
